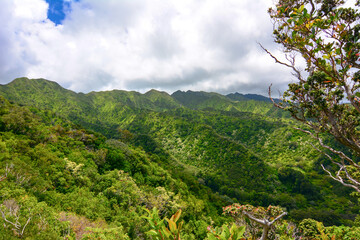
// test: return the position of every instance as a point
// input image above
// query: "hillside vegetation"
(71, 161)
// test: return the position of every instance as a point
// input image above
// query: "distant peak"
(33, 80)
(26, 84)
(154, 91)
(176, 92)
(246, 97)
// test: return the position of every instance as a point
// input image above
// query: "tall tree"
(326, 96)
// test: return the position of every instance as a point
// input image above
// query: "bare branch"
(264, 222)
(342, 168)
(292, 61)
(349, 177)
(277, 218)
(312, 7)
(27, 222)
(340, 180)
(5, 219)
(272, 100)
(260, 221)
(339, 153)
(18, 228)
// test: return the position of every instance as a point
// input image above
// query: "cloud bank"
(138, 45)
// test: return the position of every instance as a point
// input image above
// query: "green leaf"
(241, 231)
(166, 232)
(172, 225)
(226, 231)
(176, 215)
(152, 233)
(211, 236)
(301, 8)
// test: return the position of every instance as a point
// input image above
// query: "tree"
(11, 214)
(265, 217)
(326, 96)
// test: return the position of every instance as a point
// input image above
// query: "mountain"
(152, 100)
(162, 99)
(101, 111)
(201, 100)
(232, 102)
(246, 97)
(52, 95)
(60, 181)
(47, 94)
(244, 149)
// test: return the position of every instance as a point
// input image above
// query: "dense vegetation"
(87, 165)
(63, 179)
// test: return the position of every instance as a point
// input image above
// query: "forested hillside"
(57, 179)
(71, 161)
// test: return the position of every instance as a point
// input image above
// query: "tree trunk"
(265, 232)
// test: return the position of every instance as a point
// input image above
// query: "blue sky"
(169, 45)
(56, 10)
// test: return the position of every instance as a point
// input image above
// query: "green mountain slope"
(100, 111)
(201, 100)
(142, 115)
(201, 147)
(58, 176)
(246, 97)
(232, 102)
(241, 149)
(152, 100)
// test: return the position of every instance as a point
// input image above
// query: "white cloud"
(32, 10)
(138, 45)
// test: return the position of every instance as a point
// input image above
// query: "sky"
(168, 45)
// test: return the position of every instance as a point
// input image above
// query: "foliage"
(162, 231)
(326, 35)
(223, 149)
(105, 234)
(58, 180)
(311, 229)
(226, 233)
(155, 156)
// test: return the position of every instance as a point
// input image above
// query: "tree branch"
(27, 222)
(272, 100)
(339, 153)
(342, 167)
(292, 61)
(340, 180)
(260, 221)
(277, 218)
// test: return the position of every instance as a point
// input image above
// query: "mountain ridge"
(245, 150)
(26, 91)
(42, 82)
